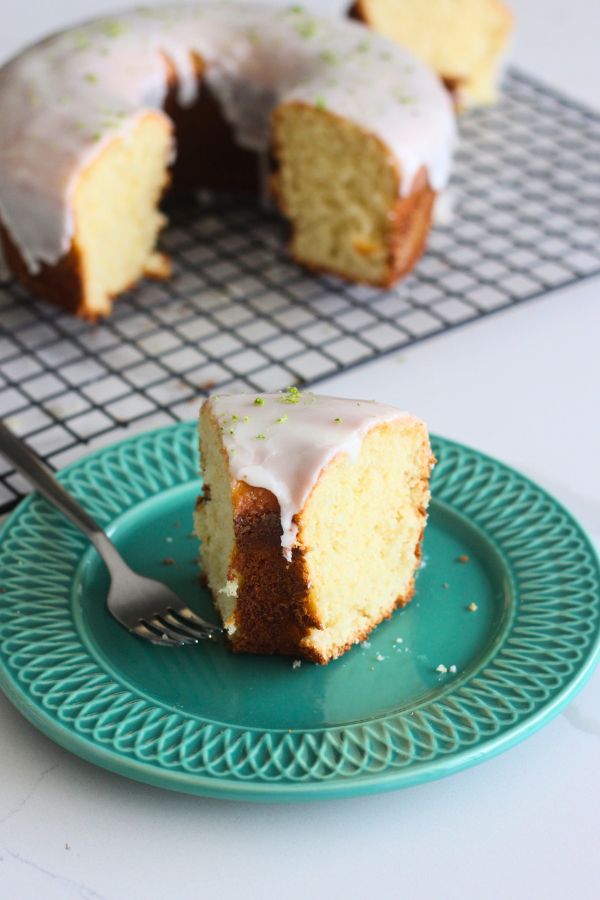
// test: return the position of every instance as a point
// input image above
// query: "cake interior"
(358, 542)
(115, 206)
(339, 200)
(361, 532)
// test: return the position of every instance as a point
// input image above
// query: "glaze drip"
(283, 441)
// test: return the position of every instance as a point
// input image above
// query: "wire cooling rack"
(239, 314)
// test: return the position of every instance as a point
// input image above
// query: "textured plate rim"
(184, 781)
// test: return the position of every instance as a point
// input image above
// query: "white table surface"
(524, 386)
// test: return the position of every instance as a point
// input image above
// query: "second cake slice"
(311, 517)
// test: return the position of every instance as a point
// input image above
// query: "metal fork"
(146, 607)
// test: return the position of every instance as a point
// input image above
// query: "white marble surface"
(523, 386)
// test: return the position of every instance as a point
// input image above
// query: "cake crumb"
(296, 664)
(169, 540)
(472, 607)
(453, 669)
(366, 644)
(441, 669)
(380, 657)
(445, 585)
(463, 559)
(168, 561)
(399, 640)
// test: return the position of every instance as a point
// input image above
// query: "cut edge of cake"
(347, 211)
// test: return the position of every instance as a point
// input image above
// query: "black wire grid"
(240, 314)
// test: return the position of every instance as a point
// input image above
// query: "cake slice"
(464, 41)
(311, 517)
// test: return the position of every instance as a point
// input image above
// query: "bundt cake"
(464, 41)
(94, 118)
(310, 519)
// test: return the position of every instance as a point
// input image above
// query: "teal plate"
(384, 716)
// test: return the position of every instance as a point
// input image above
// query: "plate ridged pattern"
(550, 637)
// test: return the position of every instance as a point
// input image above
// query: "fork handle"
(40, 476)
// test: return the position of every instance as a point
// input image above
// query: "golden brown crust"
(271, 614)
(61, 284)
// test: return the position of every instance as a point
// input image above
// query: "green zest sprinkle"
(402, 98)
(82, 41)
(386, 55)
(260, 437)
(112, 29)
(363, 47)
(281, 420)
(246, 418)
(258, 401)
(307, 29)
(235, 418)
(297, 8)
(320, 103)
(330, 57)
(90, 78)
(291, 395)
(337, 419)
(231, 431)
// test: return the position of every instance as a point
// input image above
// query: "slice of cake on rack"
(311, 517)
(464, 41)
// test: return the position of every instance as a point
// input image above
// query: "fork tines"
(175, 627)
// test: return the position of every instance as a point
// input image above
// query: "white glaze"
(287, 457)
(64, 99)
